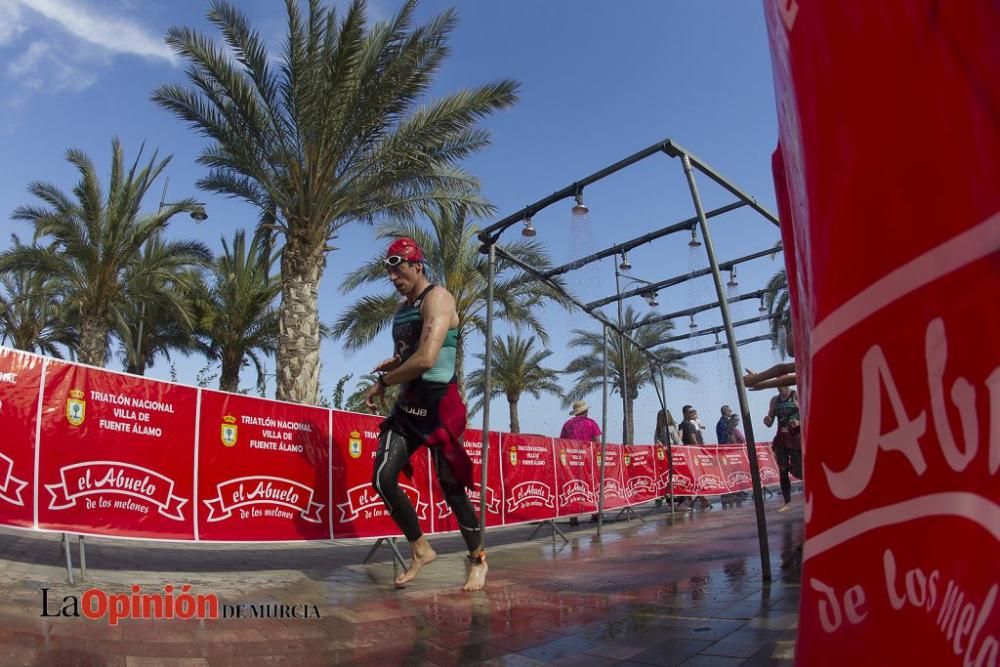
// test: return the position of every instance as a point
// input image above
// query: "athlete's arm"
(783, 381)
(437, 311)
(769, 419)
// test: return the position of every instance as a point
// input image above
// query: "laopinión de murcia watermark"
(173, 602)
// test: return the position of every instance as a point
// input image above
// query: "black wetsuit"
(413, 419)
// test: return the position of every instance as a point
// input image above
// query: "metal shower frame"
(490, 236)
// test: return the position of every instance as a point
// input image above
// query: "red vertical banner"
(767, 465)
(529, 478)
(358, 509)
(444, 518)
(708, 475)
(735, 467)
(576, 488)
(20, 384)
(640, 473)
(116, 454)
(614, 486)
(263, 470)
(894, 322)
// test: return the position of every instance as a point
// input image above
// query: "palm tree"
(454, 261)
(237, 323)
(517, 370)
(589, 366)
(31, 313)
(157, 315)
(330, 136)
(776, 301)
(356, 401)
(90, 242)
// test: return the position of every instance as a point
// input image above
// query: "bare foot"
(422, 555)
(476, 580)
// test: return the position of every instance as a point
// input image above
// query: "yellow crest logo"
(628, 459)
(229, 431)
(76, 408)
(513, 456)
(661, 453)
(355, 446)
(562, 457)
(599, 458)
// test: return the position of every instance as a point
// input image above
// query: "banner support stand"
(83, 558)
(629, 512)
(397, 557)
(555, 530)
(69, 559)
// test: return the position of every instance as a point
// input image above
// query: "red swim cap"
(406, 248)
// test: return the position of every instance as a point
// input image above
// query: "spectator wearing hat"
(580, 426)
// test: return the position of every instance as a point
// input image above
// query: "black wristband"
(381, 381)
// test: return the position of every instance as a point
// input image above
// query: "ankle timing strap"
(478, 558)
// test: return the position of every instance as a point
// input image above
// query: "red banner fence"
(97, 452)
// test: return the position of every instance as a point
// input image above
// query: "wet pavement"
(671, 591)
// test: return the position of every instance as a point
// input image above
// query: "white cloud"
(11, 23)
(108, 32)
(42, 68)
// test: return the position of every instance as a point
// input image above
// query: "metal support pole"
(491, 261)
(623, 380)
(734, 357)
(670, 447)
(69, 558)
(83, 559)
(604, 435)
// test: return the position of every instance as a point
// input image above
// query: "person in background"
(691, 435)
(666, 433)
(722, 434)
(666, 429)
(735, 433)
(690, 430)
(787, 442)
(580, 427)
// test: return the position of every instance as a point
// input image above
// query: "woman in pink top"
(734, 430)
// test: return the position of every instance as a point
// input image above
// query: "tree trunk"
(630, 421)
(789, 338)
(136, 369)
(302, 265)
(93, 341)
(229, 380)
(136, 363)
(515, 422)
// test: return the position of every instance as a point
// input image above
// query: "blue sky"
(599, 81)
